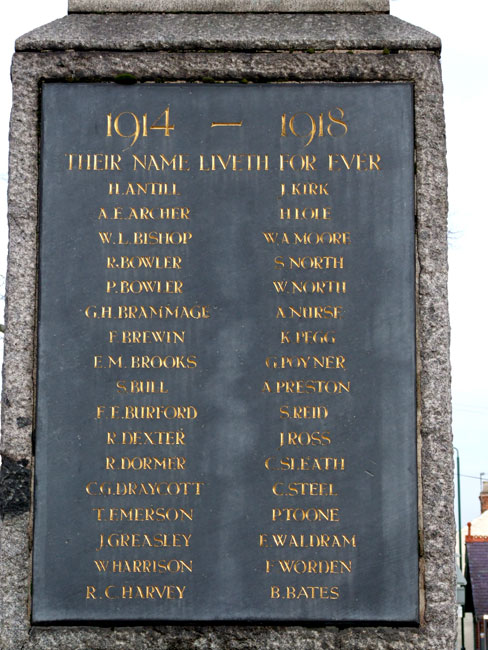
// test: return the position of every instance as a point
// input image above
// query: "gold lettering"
(297, 162)
(160, 312)
(305, 515)
(144, 262)
(94, 162)
(145, 213)
(140, 386)
(143, 514)
(323, 362)
(177, 163)
(234, 162)
(311, 540)
(147, 412)
(310, 312)
(144, 463)
(361, 162)
(304, 412)
(304, 438)
(298, 488)
(146, 438)
(146, 336)
(306, 463)
(313, 592)
(136, 189)
(307, 336)
(309, 566)
(307, 386)
(142, 540)
(305, 213)
(144, 566)
(172, 488)
(305, 189)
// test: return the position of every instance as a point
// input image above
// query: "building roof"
(479, 526)
(477, 576)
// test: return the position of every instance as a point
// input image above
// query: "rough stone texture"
(231, 6)
(15, 479)
(436, 534)
(241, 32)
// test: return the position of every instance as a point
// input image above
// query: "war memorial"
(226, 388)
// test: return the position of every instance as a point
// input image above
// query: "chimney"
(484, 497)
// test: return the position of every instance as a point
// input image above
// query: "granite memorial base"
(226, 388)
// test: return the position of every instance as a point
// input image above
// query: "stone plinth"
(90, 46)
(229, 6)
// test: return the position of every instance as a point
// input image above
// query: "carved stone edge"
(228, 33)
(228, 6)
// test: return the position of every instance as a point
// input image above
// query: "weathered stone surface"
(242, 32)
(14, 486)
(436, 541)
(231, 6)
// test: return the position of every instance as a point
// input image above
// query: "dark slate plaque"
(226, 417)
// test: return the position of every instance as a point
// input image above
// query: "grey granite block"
(226, 32)
(228, 6)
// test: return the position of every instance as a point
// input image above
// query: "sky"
(462, 28)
